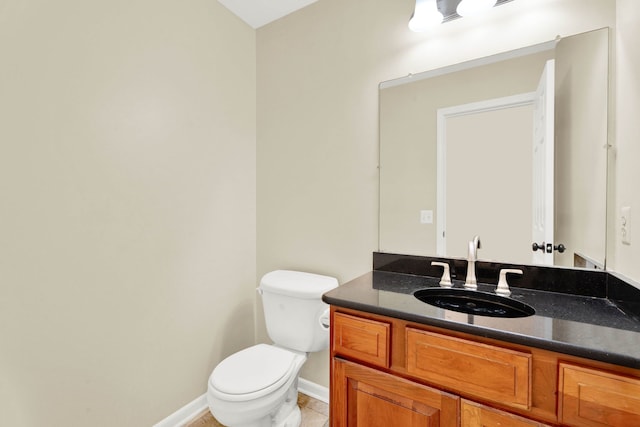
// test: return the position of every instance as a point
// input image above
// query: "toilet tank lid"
(297, 283)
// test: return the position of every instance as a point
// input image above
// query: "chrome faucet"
(471, 282)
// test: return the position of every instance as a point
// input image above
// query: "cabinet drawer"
(361, 339)
(481, 370)
(590, 397)
(474, 415)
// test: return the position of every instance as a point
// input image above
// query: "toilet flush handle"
(259, 290)
(325, 320)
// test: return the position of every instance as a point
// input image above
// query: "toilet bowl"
(258, 386)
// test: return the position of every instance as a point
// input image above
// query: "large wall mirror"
(459, 150)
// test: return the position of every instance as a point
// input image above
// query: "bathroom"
(158, 158)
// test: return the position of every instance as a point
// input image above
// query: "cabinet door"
(476, 415)
(590, 398)
(364, 397)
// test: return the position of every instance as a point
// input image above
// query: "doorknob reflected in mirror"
(548, 247)
(536, 247)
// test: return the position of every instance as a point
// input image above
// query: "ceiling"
(257, 13)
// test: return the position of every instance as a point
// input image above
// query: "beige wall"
(625, 172)
(318, 75)
(127, 218)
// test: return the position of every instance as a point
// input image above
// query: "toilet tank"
(293, 308)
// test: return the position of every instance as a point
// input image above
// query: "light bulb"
(474, 7)
(425, 15)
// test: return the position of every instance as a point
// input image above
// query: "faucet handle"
(445, 280)
(503, 286)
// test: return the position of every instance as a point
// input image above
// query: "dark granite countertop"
(593, 327)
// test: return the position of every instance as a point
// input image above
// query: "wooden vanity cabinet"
(389, 372)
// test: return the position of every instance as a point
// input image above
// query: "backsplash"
(590, 283)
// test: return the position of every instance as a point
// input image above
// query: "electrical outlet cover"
(625, 220)
(426, 217)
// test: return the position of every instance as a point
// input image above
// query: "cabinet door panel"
(364, 397)
(482, 370)
(590, 397)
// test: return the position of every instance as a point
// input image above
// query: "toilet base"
(293, 420)
(289, 414)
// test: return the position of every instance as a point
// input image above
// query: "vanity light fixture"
(430, 13)
(474, 7)
(425, 15)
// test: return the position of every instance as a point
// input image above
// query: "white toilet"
(258, 386)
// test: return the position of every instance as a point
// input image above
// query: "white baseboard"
(192, 409)
(185, 414)
(313, 390)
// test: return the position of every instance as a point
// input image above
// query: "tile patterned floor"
(314, 414)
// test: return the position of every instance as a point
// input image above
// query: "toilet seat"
(254, 372)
